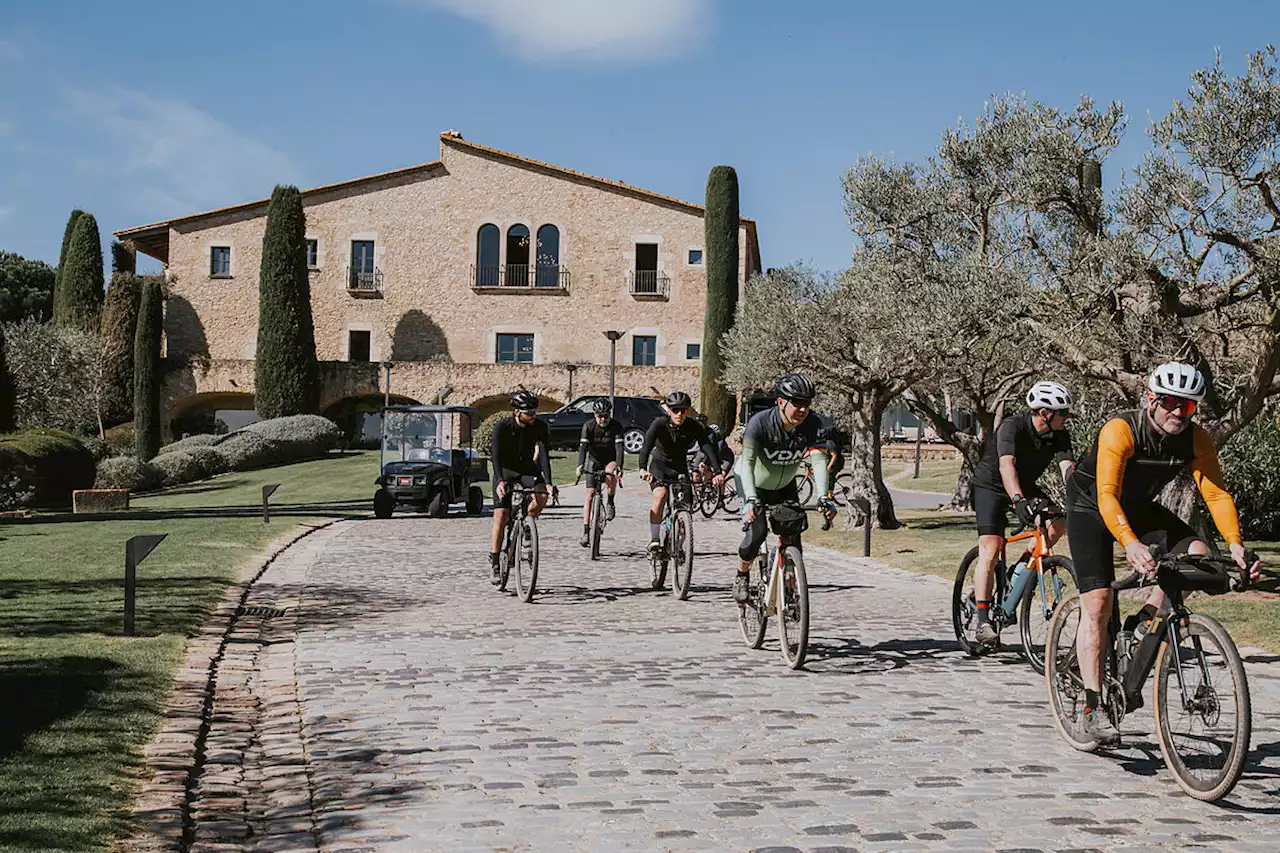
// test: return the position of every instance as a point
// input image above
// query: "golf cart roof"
(466, 410)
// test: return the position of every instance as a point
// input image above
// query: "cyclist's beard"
(1169, 423)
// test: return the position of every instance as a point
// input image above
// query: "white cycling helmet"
(1049, 395)
(1178, 380)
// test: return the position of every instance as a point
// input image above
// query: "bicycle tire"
(964, 617)
(682, 553)
(730, 500)
(506, 557)
(527, 561)
(804, 487)
(659, 561)
(1166, 690)
(793, 608)
(751, 615)
(711, 500)
(839, 488)
(1033, 620)
(597, 524)
(1062, 675)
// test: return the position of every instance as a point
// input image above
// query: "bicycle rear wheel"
(751, 615)
(729, 497)
(709, 500)
(964, 604)
(1041, 601)
(527, 560)
(804, 486)
(682, 553)
(840, 488)
(1205, 737)
(597, 524)
(793, 608)
(1062, 675)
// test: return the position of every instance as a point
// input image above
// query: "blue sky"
(147, 110)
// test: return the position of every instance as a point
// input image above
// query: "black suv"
(634, 413)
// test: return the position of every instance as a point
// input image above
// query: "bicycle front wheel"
(840, 488)
(751, 615)
(730, 500)
(527, 560)
(1041, 601)
(1203, 713)
(597, 524)
(804, 487)
(1062, 675)
(682, 553)
(507, 557)
(964, 604)
(793, 608)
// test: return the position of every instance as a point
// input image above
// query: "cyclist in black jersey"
(600, 456)
(1022, 447)
(698, 463)
(518, 454)
(664, 455)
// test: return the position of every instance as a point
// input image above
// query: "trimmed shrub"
(56, 463)
(246, 451)
(721, 225)
(189, 443)
(483, 436)
(123, 258)
(126, 472)
(66, 244)
(6, 390)
(121, 439)
(146, 371)
(279, 441)
(26, 289)
(56, 376)
(78, 299)
(1251, 466)
(187, 466)
(119, 334)
(286, 374)
(17, 479)
(99, 448)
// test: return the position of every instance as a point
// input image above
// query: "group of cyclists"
(1110, 491)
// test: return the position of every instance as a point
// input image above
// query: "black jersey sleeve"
(703, 439)
(542, 441)
(650, 438)
(584, 444)
(619, 447)
(1062, 447)
(495, 451)
(1006, 439)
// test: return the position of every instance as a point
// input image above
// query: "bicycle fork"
(771, 594)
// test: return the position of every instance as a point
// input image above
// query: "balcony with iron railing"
(364, 282)
(523, 278)
(648, 284)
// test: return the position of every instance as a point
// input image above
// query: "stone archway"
(211, 412)
(358, 418)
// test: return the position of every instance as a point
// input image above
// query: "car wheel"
(475, 501)
(383, 503)
(633, 440)
(439, 504)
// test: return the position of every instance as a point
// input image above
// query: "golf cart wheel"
(383, 504)
(633, 440)
(438, 507)
(475, 501)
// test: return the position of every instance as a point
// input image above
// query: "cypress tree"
(286, 374)
(62, 255)
(146, 371)
(119, 338)
(721, 223)
(78, 299)
(123, 258)
(6, 390)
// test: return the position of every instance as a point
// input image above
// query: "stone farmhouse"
(472, 275)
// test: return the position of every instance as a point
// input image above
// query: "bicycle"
(520, 545)
(599, 514)
(804, 484)
(1206, 764)
(1015, 600)
(708, 497)
(677, 532)
(786, 594)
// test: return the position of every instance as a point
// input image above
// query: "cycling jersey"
(669, 444)
(602, 443)
(512, 450)
(1130, 464)
(723, 452)
(771, 454)
(1031, 452)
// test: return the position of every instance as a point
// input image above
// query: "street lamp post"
(386, 400)
(613, 360)
(571, 368)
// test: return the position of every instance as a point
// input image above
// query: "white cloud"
(172, 157)
(9, 51)
(591, 29)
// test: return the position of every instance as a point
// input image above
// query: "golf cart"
(424, 462)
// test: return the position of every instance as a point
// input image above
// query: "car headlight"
(419, 481)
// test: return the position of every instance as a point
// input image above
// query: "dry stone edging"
(204, 715)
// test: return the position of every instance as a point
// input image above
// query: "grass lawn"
(936, 475)
(933, 541)
(81, 700)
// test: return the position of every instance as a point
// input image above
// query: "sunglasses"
(1066, 416)
(678, 410)
(1174, 404)
(800, 402)
(528, 412)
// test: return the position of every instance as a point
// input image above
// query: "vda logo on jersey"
(784, 455)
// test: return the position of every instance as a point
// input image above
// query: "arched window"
(487, 260)
(548, 274)
(517, 256)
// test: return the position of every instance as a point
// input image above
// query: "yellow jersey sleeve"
(1207, 473)
(1115, 448)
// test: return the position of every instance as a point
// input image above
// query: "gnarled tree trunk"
(865, 472)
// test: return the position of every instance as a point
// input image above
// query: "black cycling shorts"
(596, 471)
(529, 481)
(1092, 545)
(759, 529)
(992, 508)
(663, 473)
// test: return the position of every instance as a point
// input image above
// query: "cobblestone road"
(439, 714)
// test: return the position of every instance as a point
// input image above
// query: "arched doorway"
(214, 413)
(359, 419)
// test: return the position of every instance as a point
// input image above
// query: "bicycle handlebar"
(1208, 563)
(827, 519)
(1043, 518)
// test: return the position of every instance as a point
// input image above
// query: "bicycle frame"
(772, 593)
(1040, 549)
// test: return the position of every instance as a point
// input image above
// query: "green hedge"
(45, 467)
(483, 436)
(1251, 466)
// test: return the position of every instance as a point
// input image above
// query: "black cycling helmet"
(678, 400)
(526, 400)
(602, 406)
(714, 430)
(793, 386)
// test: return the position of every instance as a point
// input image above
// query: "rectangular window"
(644, 350)
(313, 254)
(515, 349)
(220, 261)
(693, 352)
(695, 257)
(362, 256)
(358, 345)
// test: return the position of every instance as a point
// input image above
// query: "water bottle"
(1022, 575)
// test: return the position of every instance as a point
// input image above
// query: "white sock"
(655, 532)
